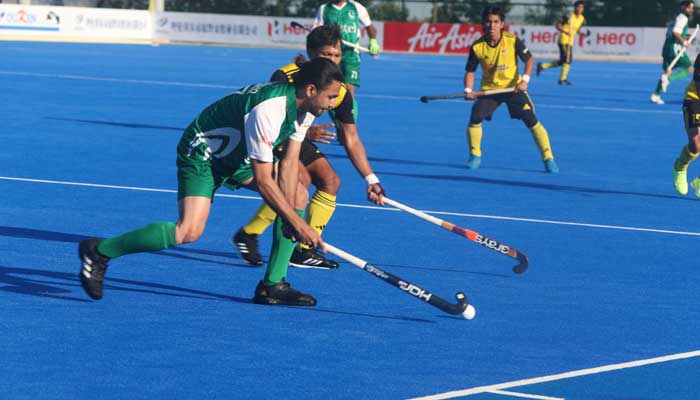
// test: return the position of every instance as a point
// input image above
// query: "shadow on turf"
(120, 124)
(558, 188)
(29, 233)
(51, 283)
(58, 285)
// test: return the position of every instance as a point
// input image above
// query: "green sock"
(681, 73)
(153, 237)
(658, 88)
(280, 254)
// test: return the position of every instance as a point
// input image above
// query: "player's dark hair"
(685, 4)
(578, 3)
(493, 10)
(319, 72)
(324, 35)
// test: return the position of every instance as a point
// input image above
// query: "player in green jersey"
(350, 16)
(324, 41)
(233, 140)
(675, 43)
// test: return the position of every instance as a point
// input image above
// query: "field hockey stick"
(680, 54)
(462, 307)
(295, 24)
(469, 234)
(480, 93)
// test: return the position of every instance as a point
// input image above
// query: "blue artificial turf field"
(88, 149)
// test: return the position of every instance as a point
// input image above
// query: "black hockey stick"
(477, 94)
(415, 291)
(473, 236)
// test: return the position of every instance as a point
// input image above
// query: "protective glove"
(373, 47)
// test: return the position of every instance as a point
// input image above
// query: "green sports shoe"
(696, 185)
(680, 181)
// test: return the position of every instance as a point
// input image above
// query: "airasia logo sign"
(430, 38)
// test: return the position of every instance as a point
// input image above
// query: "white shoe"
(664, 83)
(655, 98)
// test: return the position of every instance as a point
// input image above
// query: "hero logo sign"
(492, 244)
(278, 28)
(430, 38)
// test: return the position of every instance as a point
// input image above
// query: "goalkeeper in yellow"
(497, 52)
(689, 152)
(569, 26)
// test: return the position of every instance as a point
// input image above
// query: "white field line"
(457, 214)
(565, 375)
(363, 95)
(524, 395)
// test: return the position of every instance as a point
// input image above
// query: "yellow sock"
(550, 64)
(474, 134)
(564, 71)
(542, 140)
(320, 211)
(263, 218)
(684, 159)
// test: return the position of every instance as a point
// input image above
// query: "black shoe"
(247, 246)
(565, 82)
(539, 69)
(281, 294)
(303, 258)
(94, 266)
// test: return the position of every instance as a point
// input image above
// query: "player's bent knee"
(329, 183)
(188, 233)
(529, 119)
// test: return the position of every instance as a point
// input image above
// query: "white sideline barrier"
(23, 22)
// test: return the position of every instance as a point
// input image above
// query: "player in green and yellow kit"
(497, 53)
(676, 43)
(691, 117)
(233, 140)
(350, 16)
(569, 26)
(324, 41)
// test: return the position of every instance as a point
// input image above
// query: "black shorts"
(519, 106)
(308, 153)
(691, 114)
(566, 55)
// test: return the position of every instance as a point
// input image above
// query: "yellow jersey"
(691, 91)
(499, 63)
(570, 24)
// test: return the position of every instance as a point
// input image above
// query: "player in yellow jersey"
(691, 117)
(497, 52)
(569, 26)
(323, 42)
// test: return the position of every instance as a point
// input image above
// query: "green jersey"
(672, 47)
(244, 125)
(349, 17)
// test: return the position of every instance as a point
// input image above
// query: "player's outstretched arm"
(358, 156)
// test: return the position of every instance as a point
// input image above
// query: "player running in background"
(569, 26)
(674, 44)
(350, 16)
(691, 117)
(496, 52)
(233, 139)
(324, 41)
